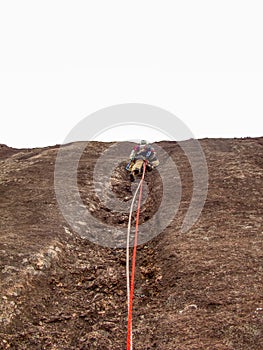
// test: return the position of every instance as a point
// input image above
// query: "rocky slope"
(199, 290)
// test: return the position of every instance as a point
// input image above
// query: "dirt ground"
(194, 291)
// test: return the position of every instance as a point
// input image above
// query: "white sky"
(132, 133)
(63, 60)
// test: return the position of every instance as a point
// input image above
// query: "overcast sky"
(63, 60)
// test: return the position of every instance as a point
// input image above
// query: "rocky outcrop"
(198, 290)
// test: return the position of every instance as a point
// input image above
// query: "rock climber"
(141, 153)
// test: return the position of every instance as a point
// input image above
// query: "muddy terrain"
(200, 290)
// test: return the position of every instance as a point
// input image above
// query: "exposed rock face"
(199, 290)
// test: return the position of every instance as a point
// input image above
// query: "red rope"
(129, 335)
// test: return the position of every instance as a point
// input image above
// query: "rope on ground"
(128, 245)
(130, 289)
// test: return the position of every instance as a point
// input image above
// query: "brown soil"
(199, 290)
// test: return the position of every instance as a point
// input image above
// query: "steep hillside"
(194, 291)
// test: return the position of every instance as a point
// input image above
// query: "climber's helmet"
(143, 142)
